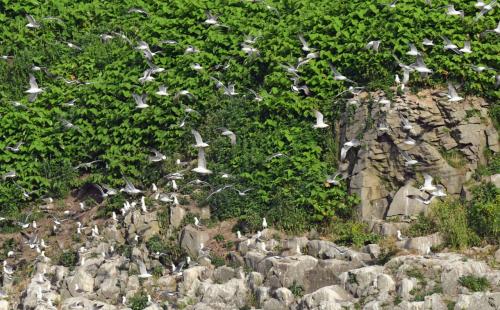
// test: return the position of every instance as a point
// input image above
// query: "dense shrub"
(68, 259)
(483, 212)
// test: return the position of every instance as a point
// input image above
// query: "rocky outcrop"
(447, 139)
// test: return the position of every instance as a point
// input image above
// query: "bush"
(424, 225)
(483, 212)
(451, 219)
(139, 301)
(473, 283)
(352, 233)
(68, 259)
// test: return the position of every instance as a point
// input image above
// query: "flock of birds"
(248, 46)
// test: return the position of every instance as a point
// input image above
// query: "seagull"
(409, 140)
(202, 164)
(422, 200)
(250, 50)
(275, 155)
(452, 93)
(197, 222)
(169, 42)
(157, 156)
(211, 19)
(382, 126)
(347, 146)
(32, 23)
(334, 180)
(338, 76)
(427, 42)
(147, 76)
(305, 46)
(144, 209)
(428, 186)
(243, 192)
(264, 223)
(373, 45)
(73, 46)
(467, 48)
(177, 270)
(496, 30)
(138, 10)
(408, 160)
(399, 236)
(130, 188)
(198, 139)
(191, 50)
(183, 92)
(420, 66)
(480, 68)
(228, 133)
(453, 12)
(257, 97)
(485, 9)
(34, 90)
(479, 4)
(16, 148)
(9, 175)
(109, 190)
(143, 272)
(319, 120)
(196, 67)
(406, 123)
(448, 45)
(439, 192)
(219, 190)
(413, 50)
(238, 235)
(230, 90)
(203, 251)
(140, 101)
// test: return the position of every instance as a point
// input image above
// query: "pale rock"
(177, 214)
(191, 239)
(327, 298)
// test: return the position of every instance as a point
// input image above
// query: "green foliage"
(7, 246)
(451, 219)
(68, 259)
(219, 238)
(483, 212)
(352, 233)
(473, 283)
(139, 301)
(160, 244)
(424, 225)
(297, 290)
(289, 190)
(217, 261)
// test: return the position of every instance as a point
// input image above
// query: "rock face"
(450, 140)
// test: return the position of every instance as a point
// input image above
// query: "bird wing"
(197, 136)
(302, 40)
(335, 72)
(319, 117)
(33, 83)
(137, 98)
(201, 158)
(31, 20)
(343, 152)
(427, 180)
(142, 267)
(452, 92)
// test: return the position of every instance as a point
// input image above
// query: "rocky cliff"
(407, 136)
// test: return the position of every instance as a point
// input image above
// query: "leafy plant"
(68, 259)
(297, 290)
(139, 301)
(474, 283)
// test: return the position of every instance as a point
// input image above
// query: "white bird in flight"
(452, 93)
(319, 120)
(140, 101)
(231, 135)
(202, 164)
(198, 139)
(347, 146)
(34, 90)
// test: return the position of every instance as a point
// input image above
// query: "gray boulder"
(191, 239)
(327, 298)
(232, 294)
